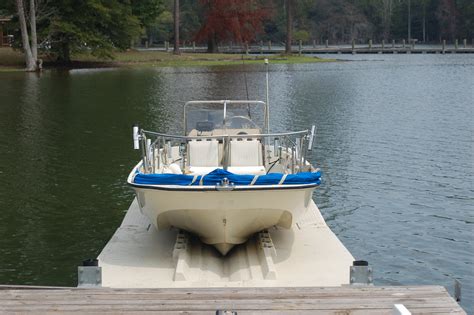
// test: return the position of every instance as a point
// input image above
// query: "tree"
(147, 11)
(31, 50)
(447, 14)
(289, 25)
(230, 20)
(96, 26)
(387, 9)
(176, 28)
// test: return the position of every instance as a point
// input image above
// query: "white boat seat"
(204, 153)
(244, 153)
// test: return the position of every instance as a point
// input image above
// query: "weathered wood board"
(292, 300)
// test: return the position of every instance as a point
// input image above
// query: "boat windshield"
(224, 117)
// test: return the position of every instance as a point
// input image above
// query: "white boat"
(227, 177)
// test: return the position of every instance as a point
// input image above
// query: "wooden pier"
(292, 300)
(337, 49)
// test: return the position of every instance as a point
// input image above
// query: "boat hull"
(223, 218)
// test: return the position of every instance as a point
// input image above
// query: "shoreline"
(12, 60)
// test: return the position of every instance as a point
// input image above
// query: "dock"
(336, 49)
(277, 300)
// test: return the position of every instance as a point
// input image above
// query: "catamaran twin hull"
(224, 216)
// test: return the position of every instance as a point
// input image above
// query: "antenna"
(267, 96)
(246, 86)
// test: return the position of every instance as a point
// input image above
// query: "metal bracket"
(361, 273)
(225, 185)
(89, 276)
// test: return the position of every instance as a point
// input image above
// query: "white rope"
(254, 180)
(194, 180)
(282, 180)
(202, 180)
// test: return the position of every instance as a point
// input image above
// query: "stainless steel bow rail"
(288, 147)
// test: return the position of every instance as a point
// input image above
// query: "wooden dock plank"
(300, 300)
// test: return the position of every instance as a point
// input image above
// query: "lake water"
(394, 140)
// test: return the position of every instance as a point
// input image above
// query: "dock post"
(360, 273)
(300, 46)
(465, 43)
(393, 43)
(444, 46)
(194, 46)
(370, 44)
(353, 47)
(383, 44)
(269, 45)
(246, 48)
(456, 44)
(327, 43)
(403, 43)
(314, 43)
(457, 290)
(261, 47)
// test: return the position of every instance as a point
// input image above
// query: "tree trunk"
(176, 28)
(64, 55)
(212, 44)
(424, 22)
(34, 38)
(289, 26)
(30, 62)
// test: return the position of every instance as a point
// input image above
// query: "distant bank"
(12, 60)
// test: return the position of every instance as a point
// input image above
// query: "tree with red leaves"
(237, 20)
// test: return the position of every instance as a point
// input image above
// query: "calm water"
(395, 142)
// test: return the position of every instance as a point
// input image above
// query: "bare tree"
(289, 25)
(176, 28)
(34, 38)
(29, 57)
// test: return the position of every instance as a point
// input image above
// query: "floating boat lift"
(307, 255)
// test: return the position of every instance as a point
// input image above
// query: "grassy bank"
(11, 60)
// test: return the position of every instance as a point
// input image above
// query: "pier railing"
(463, 45)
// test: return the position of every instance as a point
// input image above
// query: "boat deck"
(309, 300)
(309, 254)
